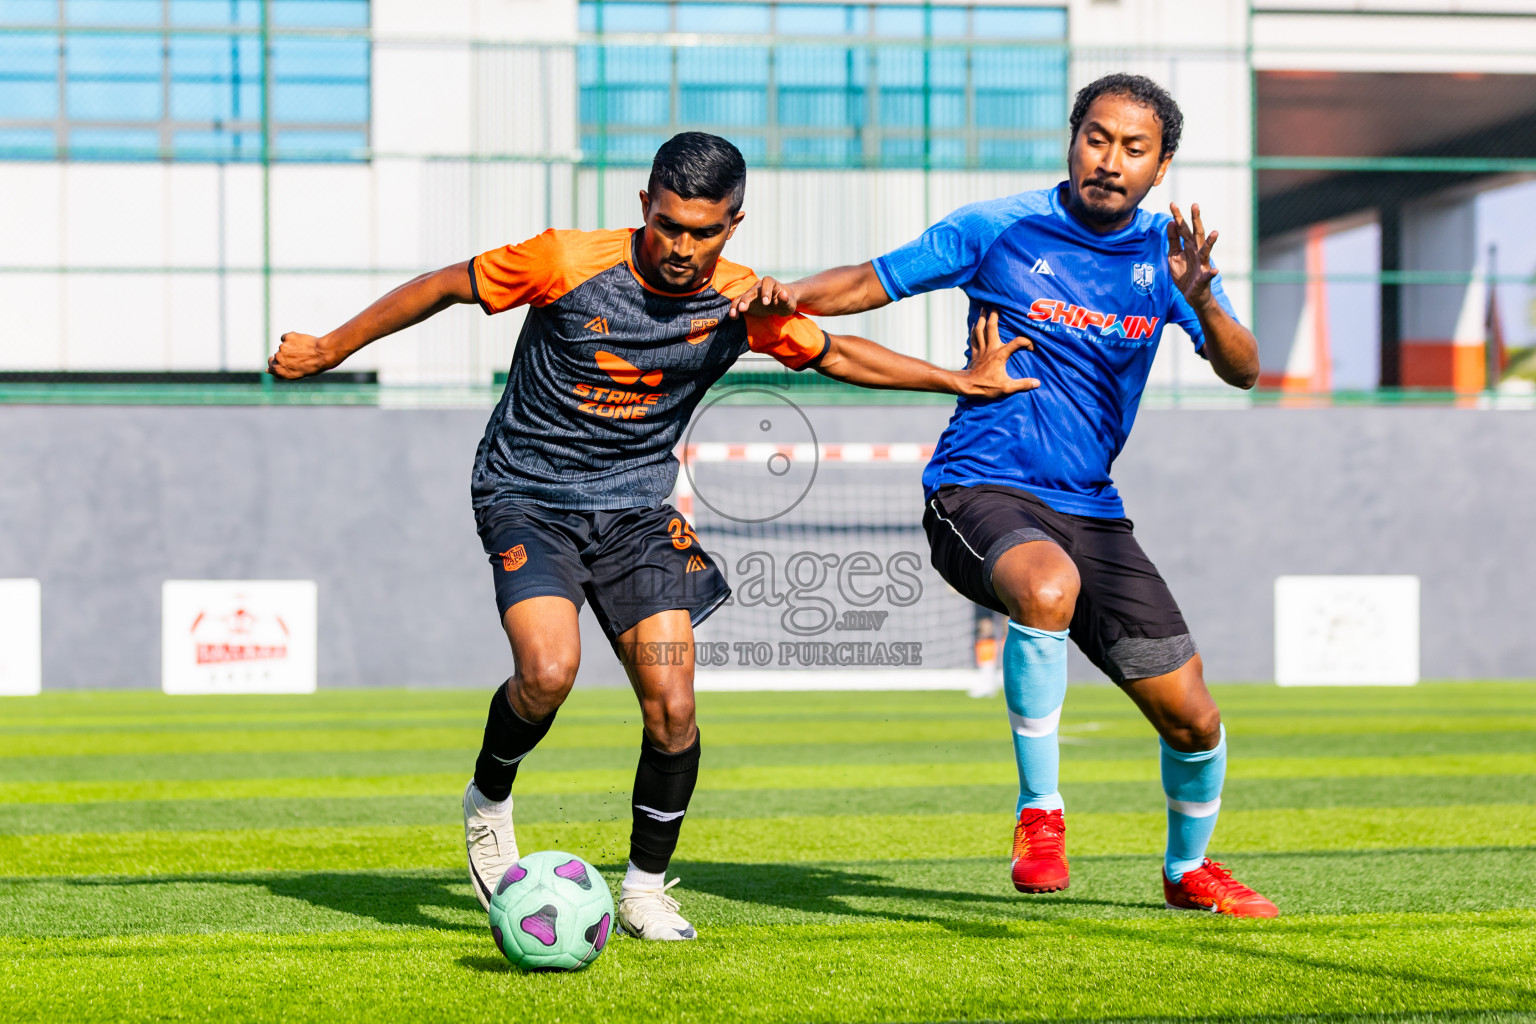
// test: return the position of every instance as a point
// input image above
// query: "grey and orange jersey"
(608, 370)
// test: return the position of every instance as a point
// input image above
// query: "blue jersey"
(1094, 306)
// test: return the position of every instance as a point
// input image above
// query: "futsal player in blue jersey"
(1022, 515)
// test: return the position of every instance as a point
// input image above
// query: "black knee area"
(663, 786)
(508, 739)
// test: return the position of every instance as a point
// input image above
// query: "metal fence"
(192, 190)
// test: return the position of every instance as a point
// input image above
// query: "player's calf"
(664, 783)
(1035, 684)
(1039, 584)
(1193, 768)
(666, 774)
(489, 840)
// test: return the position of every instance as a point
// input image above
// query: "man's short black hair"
(1141, 90)
(697, 165)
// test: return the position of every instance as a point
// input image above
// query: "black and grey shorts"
(1126, 620)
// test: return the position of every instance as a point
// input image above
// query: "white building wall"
(1487, 37)
(179, 247)
(31, 304)
(165, 259)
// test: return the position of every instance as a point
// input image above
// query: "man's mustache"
(1104, 183)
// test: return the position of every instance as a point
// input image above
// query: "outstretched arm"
(303, 355)
(837, 292)
(1231, 347)
(867, 364)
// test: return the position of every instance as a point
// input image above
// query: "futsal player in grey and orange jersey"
(625, 332)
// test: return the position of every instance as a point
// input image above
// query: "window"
(835, 85)
(183, 79)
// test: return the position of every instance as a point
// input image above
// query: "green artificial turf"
(266, 858)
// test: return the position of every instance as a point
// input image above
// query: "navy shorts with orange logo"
(630, 563)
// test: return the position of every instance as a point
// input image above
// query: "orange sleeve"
(792, 340)
(542, 269)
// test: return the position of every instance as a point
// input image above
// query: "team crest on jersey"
(514, 558)
(701, 329)
(1141, 277)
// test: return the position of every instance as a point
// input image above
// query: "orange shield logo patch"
(701, 329)
(513, 558)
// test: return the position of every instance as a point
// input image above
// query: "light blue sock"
(1035, 684)
(1192, 783)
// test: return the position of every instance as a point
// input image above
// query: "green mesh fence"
(193, 177)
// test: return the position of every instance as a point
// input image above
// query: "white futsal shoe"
(652, 914)
(491, 845)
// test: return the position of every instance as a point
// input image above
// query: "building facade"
(183, 180)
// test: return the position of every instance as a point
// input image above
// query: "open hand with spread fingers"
(1189, 256)
(987, 375)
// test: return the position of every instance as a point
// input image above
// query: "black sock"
(663, 785)
(508, 738)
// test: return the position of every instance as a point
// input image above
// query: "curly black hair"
(1143, 91)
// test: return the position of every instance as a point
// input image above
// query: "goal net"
(824, 549)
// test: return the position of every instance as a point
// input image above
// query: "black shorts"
(1126, 620)
(630, 563)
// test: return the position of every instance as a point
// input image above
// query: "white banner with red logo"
(21, 638)
(239, 636)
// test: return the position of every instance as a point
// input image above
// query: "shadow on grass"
(869, 890)
(388, 899)
(852, 892)
(1229, 937)
(487, 964)
(400, 900)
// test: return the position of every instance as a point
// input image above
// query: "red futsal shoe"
(1040, 851)
(1212, 888)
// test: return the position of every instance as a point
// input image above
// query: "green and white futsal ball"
(551, 911)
